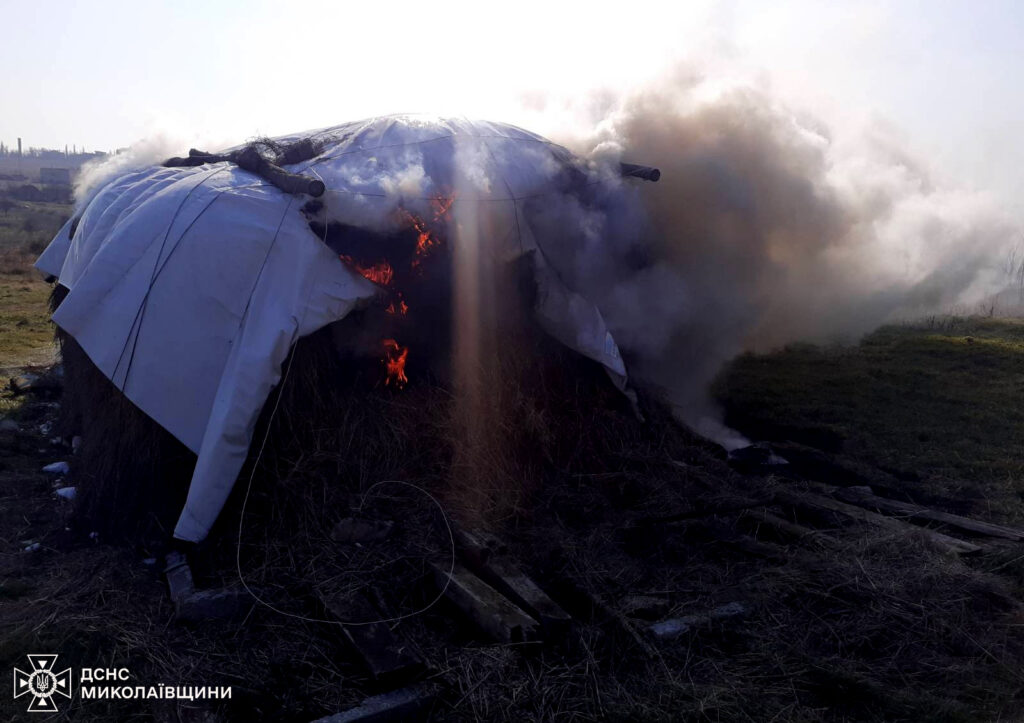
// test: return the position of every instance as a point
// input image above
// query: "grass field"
(25, 230)
(26, 336)
(846, 623)
(934, 408)
(25, 332)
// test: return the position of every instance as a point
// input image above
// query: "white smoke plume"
(147, 152)
(163, 142)
(768, 227)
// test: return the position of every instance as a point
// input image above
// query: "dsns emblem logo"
(42, 683)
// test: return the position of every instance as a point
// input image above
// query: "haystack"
(414, 281)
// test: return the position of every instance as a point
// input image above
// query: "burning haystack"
(403, 243)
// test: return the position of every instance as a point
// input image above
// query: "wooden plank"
(606, 613)
(509, 580)
(383, 654)
(398, 705)
(478, 546)
(588, 606)
(674, 627)
(387, 658)
(485, 555)
(917, 513)
(485, 606)
(820, 502)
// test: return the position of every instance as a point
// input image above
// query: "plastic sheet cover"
(189, 286)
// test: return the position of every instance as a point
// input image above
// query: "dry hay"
(878, 626)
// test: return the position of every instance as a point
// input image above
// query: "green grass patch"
(26, 334)
(936, 406)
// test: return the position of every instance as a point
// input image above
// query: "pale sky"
(947, 75)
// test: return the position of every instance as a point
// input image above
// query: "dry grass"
(25, 331)
(873, 626)
(25, 230)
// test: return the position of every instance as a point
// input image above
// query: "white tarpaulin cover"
(188, 286)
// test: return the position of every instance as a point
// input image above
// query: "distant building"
(55, 176)
(27, 192)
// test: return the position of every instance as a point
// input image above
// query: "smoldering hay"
(767, 227)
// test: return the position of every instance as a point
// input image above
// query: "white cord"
(248, 489)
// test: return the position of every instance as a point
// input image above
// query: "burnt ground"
(623, 524)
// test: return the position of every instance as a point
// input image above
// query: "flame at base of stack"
(395, 356)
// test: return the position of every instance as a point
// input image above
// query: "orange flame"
(380, 273)
(426, 240)
(395, 356)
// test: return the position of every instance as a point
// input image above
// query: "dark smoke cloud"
(768, 227)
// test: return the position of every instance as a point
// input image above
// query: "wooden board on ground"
(810, 500)
(485, 555)
(387, 658)
(485, 606)
(868, 500)
(397, 705)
